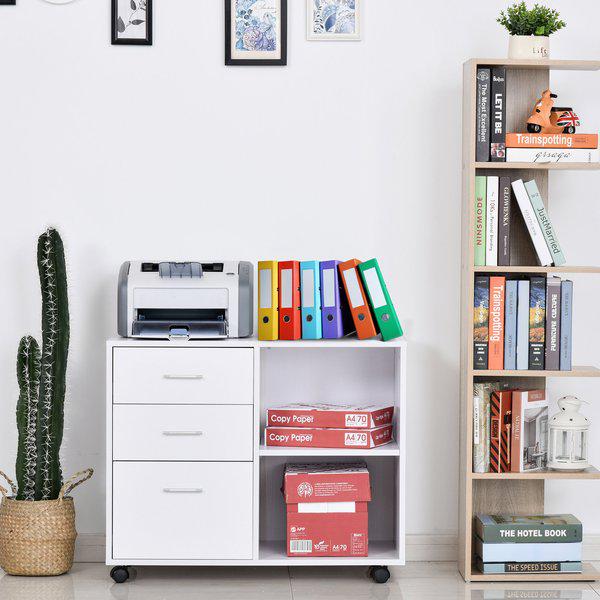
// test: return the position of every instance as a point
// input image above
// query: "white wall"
(351, 150)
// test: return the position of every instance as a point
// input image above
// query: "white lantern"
(569, 429)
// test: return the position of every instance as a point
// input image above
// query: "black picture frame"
(116, 41)
(8, 2)
(254, 62)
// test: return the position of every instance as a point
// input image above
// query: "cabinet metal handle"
(182, 433)
(183, 490)
(167, 376)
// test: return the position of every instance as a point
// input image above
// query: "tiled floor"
(417, 581)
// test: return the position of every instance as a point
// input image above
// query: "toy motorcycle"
(547, 118)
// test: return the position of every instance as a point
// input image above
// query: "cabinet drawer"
(183, 375)
(182, 432)
(182, 511)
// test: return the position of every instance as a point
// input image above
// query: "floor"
(417, 581)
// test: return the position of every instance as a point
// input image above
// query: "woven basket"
(38, 537)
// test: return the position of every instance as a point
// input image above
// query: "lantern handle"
(571, 402)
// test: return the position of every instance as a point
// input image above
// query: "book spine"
(496, 323)
(544, 155)
(498, 102)
(533, 227)
(566, 325)
(516, 458)
(523, 326)
(504, 202)
(553, 324)
(495, 432)
(529, 567)
(481, 307)
(548, 231)
(480, 219)
(537, 322)
(491, 244)
(478, 426)
(510, 326)
(483, 115)
(505, 431)
(552, 140)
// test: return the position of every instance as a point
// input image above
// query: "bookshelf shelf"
(518, 493)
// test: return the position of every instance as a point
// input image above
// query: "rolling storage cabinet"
(189, 478)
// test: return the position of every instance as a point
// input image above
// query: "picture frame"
(333, 20)
(256, 32)
(131, 22)
(8, 2)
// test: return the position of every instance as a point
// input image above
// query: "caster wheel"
(380, 574)
(119, 574)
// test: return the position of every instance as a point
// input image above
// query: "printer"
(186, 300)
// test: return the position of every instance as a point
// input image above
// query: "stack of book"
(528, 544)
(552, 147)
(493, 216)
(523, 323)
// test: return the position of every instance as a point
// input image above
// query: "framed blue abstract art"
(333, 19)
(255, 32)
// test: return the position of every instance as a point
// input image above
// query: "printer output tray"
(193, 330)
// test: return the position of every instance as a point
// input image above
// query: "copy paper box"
(299, 437)
(365, 416)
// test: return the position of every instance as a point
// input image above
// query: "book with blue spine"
(510, 325)
(566, 325)
(523, 325)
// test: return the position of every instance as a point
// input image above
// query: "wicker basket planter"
(37, 538)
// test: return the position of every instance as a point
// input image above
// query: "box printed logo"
(305, 489)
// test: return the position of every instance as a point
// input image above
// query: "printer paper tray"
(180, 329)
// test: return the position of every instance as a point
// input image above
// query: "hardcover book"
(548, 230)
(491, 227)
(530, 567)
(482, 125)
(498, 529)
(528, 551)
(504, 206)
(529, 446)
(510, 325)
(481, 306)
(552, 140)
(523, 325)
(480, 219)
(537, 323)
(541, 155)
(481, 426)
(498, 103)
(566, 325)
(553, 292)
(496, 323)
(500, 431)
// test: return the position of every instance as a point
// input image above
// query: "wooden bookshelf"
(516, 493)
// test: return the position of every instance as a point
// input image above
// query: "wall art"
(333, 19)
(132, 22)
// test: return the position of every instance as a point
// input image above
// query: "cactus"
(28, 375)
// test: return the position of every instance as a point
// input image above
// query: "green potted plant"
(530, 30)
(37, 522)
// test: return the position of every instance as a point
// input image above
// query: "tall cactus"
(28, 376)
(55, 347)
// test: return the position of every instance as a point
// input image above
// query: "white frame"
(269, 553)
(333, 37)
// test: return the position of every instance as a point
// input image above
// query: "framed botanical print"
(132, 22)
(255, 32)
(333, 20)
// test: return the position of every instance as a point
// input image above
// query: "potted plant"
(37, 523)
(530, 30)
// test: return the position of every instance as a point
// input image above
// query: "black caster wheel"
(380, 574)
(119, 574)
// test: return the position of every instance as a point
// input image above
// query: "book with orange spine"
(496, 324)
(552, 140)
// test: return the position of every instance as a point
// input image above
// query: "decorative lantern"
(569, 430)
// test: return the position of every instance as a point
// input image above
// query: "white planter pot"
(532, 47)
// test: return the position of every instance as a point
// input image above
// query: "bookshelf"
(518, 493)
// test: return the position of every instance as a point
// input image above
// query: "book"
(553, 293)
(481, 309)
(496, 323)
(537, 322)
(498, 115)
(491, 225)
(529, 445)
(552, 140)
(548, 231)
(533, 226)
(482, 125)
(492, 568)
(523, 325)
(566, 325)
(497, 529)
(510, 325)
(481, 425)
(541, 155)
(500, 431)
(504, 217)
(528, 552)
(480, 219)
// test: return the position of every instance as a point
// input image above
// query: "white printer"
(186, 300)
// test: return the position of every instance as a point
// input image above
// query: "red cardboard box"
(330, 415)
(327, 512)
(299, 437)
